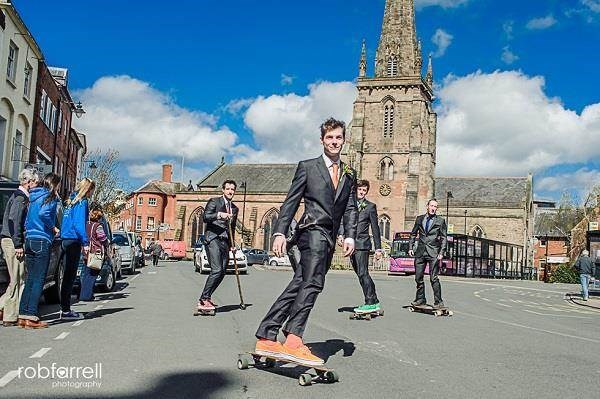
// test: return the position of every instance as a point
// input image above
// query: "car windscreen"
(120, 240)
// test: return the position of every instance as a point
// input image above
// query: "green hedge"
(564, 274)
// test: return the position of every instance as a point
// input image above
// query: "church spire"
(362, 66)
(398, 53)
(429, 77)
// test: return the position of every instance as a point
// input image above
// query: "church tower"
(393, 131)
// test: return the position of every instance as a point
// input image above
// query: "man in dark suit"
(219, 214)
(432, 231)
(367, 217)
(327, 187)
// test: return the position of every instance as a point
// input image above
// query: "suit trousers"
(434, 269)
(299, 297)
(217, 252)
(9, 302)
(360, 263)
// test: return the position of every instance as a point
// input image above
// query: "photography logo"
(64, 376)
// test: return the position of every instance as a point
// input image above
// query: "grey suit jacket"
(432, 242)
(216, 227)
(367, 217)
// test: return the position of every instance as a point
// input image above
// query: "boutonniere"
(362, 205)
(347, 170)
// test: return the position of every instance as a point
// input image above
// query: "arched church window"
(392, 66)
(384, 226)
(388, 120)
(386, 169)
(478, 232)
(269, 224)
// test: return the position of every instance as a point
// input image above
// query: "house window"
(384, 226)
(11, 68)
(140, 201)
(543, 242)
(392, 66)
(43, 105)
(138, 222)
(150, 224)
(152, 201)
(48, 112)
(27, 85)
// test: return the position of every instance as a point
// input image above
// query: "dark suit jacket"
(218, 227)
(366, 218)
(432, 242)
(324, 208)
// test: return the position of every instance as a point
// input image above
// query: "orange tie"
(334, 175)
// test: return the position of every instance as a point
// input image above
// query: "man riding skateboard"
(432, 232)
(367, 217)
(327, 187)
(219, 213)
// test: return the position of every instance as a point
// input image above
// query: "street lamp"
(465, 222)
(79, 111)
(448, 196)
(245, 186)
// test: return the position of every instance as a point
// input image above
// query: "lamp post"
(245, 186)
(448, 196)
(78, 111)
(465, 222)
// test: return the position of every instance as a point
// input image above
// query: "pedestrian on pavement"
(367, 217)
(328, 188)
(13, 238)
(98, 244)
(156, 250)
(40, 230)
(586, 268)
(220, 217)
(74, 236)
(432, 233)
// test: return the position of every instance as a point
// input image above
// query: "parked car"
(54, 276)
(256, 256)
(279, 261)
(123, 245)
(172, 249)
(201, 261)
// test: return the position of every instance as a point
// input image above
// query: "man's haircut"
(432, 199)
(29, 174)
(229, 182)
(331, 124)
(363, 183)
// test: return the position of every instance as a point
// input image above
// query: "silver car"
(123, 244)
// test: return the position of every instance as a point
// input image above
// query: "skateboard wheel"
(437, 313)
(305, 379)
(411, 309)
(242, 363)
(243, 306)
(450, 313)
(332, 376)
(269, 363)
(368, 317)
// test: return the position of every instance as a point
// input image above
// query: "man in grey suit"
(367, 217)
(220, 212)
(432, 233)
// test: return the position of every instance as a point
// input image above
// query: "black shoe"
(439, 305)
(418, 302)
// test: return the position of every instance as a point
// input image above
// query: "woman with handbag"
(95, 256)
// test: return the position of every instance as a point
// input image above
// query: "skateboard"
(366, 315)
(430, 310)
(199, 312)
(323, 374)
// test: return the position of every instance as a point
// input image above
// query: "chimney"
(167, 173)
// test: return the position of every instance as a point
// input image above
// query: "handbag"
(95, 260)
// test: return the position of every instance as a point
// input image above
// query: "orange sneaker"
(269, 348)
(303, 355)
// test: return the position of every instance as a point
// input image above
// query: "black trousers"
(360, 263)
(294, 256)
(72, 253)
(217, 252)
(434, 269)
(155, 260)
(299, 297)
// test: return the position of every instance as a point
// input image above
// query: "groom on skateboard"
(328, 188)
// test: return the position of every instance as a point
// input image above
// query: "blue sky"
(236, 70)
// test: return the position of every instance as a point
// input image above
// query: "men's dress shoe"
(418, 302)
(34, 325)
(438, 305)
(9, 323)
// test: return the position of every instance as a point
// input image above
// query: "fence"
(339, 262)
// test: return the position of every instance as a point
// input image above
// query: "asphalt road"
(506, 339)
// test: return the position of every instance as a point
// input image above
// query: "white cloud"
(287, 80)
(143, 123)
(286, 127)
(508, 28)
(152, 170)
(541, 23)
(581, 180)
(442, 40)
(503, 123)
(508, 57)
(419, 4)
(593, 5)
(236, 106)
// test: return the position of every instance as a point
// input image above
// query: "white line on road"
(503, 304)
(8, 377)
(501, 285)
(98, 307)
(554, 315)
(151, 273)
(134, 277)
(485, 299)
(78, 323)
(530, 328)
(62, 335)
(40, 353)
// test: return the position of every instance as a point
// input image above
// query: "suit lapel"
(324, 172)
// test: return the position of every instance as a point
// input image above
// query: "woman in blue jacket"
(74, 237)
(39, 233)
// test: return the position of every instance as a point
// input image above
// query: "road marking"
(134, 277)
(485, 299)
(151, 273)
(8, 377)
(62, 335)
(501, 285)
(78, 323)
(554, 315)
(105, 301)
(503, 304)
(530, 328)
(98, 307)
(40, 353)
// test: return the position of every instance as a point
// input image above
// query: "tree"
(109, 183)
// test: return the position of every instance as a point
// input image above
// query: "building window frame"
(140, 201)
(150, 223)
(392, 65)
(27, 80)
(385, 226)
(12, 62)
(152, 201)
(138, 222)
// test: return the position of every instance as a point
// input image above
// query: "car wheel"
(266, 262)
(273, 263)
(110, 282)
(52, 295)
